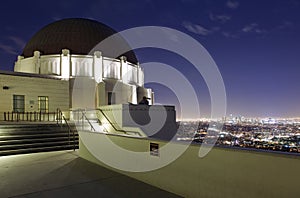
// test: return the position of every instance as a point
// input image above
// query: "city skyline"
(255, 44)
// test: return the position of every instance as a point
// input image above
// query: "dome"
(78, 35)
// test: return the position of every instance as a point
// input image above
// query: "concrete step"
(35, 145)
(34, 129)
(31, 138)
(35, 136)
(33, 125)
(37, 150)
(32, 132)
(37, 140)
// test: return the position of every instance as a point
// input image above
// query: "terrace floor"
(65, 174)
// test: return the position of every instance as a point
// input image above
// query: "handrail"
(83, 112)
(68, 128)
(92, 127)
(100, 110)
(125, 132)
(62, 117)
(84, 117)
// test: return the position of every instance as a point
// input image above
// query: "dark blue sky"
(256, 44)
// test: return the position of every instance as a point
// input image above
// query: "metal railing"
(35, 116)
(80, 117)
(115, 128)
(83, 121)
(88, 121)
(60, 119)
(107, 119)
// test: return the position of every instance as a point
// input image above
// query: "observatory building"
(64, 53)
(64, 50)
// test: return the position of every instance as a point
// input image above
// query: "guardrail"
(60, 119)
(80, 117)
(113, 126)
(107, 119)
(30, 116)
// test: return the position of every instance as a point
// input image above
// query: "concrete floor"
(65, 174)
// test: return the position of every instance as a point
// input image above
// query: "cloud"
(253, 27)
(249, 28)
(285, 25)
(20, 43)
(229, 35)
(215, 29)
(221, 18)
(232, 4)
(197, 29)
(56, 18)
(12, 45)
(8, 49)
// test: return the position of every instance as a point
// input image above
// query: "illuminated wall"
(69, 65)
(124, 79)
(32, 86)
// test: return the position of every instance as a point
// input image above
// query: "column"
(97, 66)
(65, 64)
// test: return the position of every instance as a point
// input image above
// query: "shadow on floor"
(64, 174)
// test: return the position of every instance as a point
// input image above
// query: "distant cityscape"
(272, 134)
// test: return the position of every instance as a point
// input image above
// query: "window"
(43, 104)
(18, 103)
(111, 98)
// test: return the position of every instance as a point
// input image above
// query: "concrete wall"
(49, 64)
(222, 173)
(32, 87)
(156, 121)
(111, 117)
(136, 119)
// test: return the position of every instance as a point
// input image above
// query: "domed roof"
(78, 35)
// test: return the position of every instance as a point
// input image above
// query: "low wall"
(222, 173)
(137, 118)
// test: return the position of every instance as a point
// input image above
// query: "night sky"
(255, 44)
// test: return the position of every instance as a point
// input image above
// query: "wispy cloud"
(20, 43)
(215, 29)
(229, 34)
(285, 25)
(250, 27)
(8, 49)
(254, 28)
(232, 4)
(197, 29)
(223, 18)
(12, 45)
(56, 18)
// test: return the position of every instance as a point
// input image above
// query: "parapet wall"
(222, 173)
(156, 121)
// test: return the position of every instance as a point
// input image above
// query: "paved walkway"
(65, 174)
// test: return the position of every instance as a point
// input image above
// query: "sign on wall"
(154, 149)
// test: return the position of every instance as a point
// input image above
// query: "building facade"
(61, 72)
(45, 73)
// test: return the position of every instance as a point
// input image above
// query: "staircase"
(33, 138)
